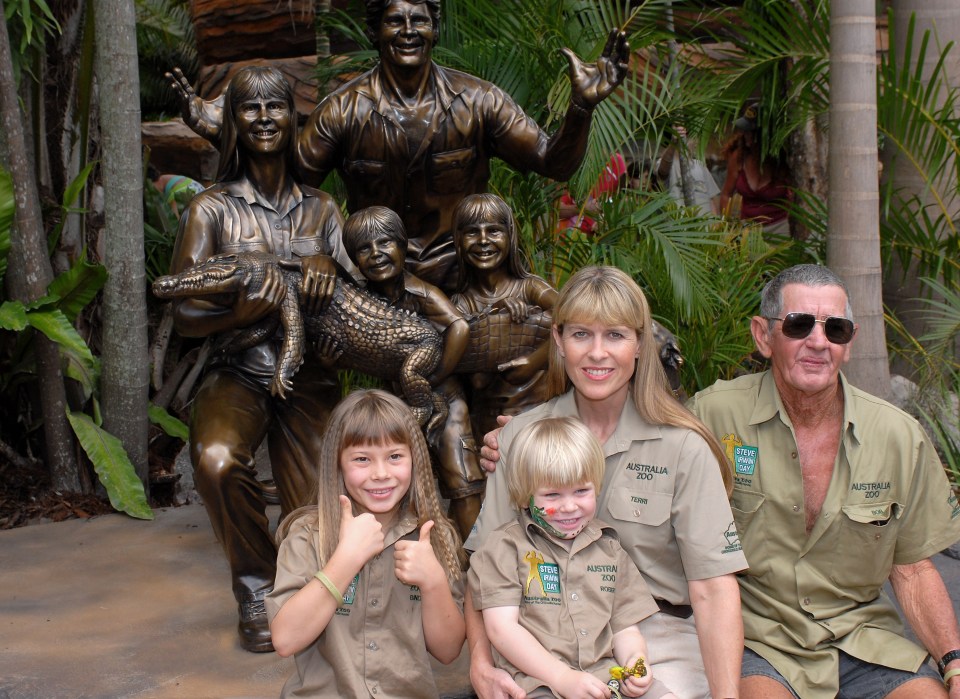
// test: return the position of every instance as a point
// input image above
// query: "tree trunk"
(902, 289)
(29, 274)
(124, 381)
(853, 244)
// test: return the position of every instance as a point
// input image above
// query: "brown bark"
(29, 273)
(124, 382)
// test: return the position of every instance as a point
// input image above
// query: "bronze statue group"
(606, 557)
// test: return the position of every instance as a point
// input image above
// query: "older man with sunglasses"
(836, 491)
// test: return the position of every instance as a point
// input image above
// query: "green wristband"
(321, 576)
(948, 675)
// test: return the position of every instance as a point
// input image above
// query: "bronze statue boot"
(253, 627)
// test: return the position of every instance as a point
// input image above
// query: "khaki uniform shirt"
(662, 492)
(888, 503)
(572, 600)
(374, 644)
(356, 131)
(233, 217)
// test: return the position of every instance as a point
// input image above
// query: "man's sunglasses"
(797, 326)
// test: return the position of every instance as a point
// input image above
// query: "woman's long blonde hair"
(607, 295)
(373, 416)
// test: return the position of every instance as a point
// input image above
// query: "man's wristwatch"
(948, 657)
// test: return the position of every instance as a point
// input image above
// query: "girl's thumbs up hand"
(360, 536)
(415, 562)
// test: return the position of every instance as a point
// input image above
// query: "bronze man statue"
(417, 137)
(256, 206)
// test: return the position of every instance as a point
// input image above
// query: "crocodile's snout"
(220, 274)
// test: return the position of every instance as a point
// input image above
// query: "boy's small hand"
(360, 536)
(574, 684)
(415, 562)
(319, 278)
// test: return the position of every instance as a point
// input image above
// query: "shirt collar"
(594, 530)
(378, 92)
(631, 427)
(244, 189)
(768, 405)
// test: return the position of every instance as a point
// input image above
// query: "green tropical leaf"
(54, 324)
(168, 423)
(78, 286)
(114, 469)
(13, 316)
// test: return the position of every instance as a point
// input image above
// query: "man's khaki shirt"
(356, 131)
(888, 503)
(662, 492)
(573, 601)
(374, 645)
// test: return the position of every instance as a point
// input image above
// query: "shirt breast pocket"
(371, 172)
(452, 171)
(640, 506)
(867, 537)
(745, 504)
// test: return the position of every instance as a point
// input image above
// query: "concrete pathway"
(117, 607)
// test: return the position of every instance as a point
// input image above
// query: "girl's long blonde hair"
(373, 416)
(607, 295)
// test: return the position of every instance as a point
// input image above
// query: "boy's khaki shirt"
(572, 601)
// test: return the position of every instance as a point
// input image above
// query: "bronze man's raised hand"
(591, 83)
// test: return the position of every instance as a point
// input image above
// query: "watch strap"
(948, 657)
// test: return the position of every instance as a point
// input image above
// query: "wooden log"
(175, 149)
(227, 30)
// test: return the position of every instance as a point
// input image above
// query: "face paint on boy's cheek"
(537, 514)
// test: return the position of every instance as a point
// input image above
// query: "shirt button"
(636, 513)
(806, 601)
(317, 248)
(375, 690)
(583, 632)
(277, 226)
(793, 455)
(876, 536)
(374, 602)
(373, 646)
(574, 596)
(796, 508)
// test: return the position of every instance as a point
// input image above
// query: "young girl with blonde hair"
(369, 581)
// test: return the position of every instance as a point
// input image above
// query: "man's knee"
(216, 462)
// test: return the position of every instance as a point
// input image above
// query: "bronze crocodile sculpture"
(366, 333)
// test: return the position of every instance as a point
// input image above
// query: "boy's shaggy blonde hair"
(554, 452)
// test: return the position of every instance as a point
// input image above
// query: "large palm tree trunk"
(30, 273)
(125, 377)
(853, 243)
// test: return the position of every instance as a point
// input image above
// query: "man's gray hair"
(771, 298)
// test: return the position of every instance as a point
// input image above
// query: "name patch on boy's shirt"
(543, 580)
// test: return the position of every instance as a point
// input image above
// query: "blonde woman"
(664, 490)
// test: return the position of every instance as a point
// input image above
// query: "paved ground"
(116, 607)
